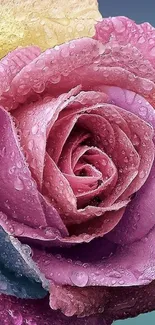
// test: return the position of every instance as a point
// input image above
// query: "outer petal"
(22, 312)
(134, 224)
(12, 63)
(18, 193)
(112, 266)
(19, 275)
(129, 265)
(87, 63)
(122, 30)
(19, 197)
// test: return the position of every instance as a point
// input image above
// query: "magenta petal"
(15, 311)
(129, 265)
(78, 301)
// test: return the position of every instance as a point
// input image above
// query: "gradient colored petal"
(128, 265)
(19, 275)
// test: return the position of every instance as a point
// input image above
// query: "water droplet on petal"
(27, 249)
(141, 40)
(113, 282)
(121, 282)
(143, 111)
(19, 164)
(17, 318)
(12, 170)
(11, 230)
(136, 140)
(34, 129)
(80, 279)
(18, 184)
(142, 174)
(147, 85)
(3, 286)
(19, 230)
(152, 52)
(29, 321)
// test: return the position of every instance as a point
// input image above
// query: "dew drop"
(80, 279)
(30, 145)
(136, 140)
(143, 111)
(6, 204)
(142, 174)
(147, 85)
(19, 164)
(55, 79)
(113, 282)
(121, 282)
(29, 321)
(17, 318)
(19, 230)
(118, 25)
(11, 229)
(3, 285)
(126, 159)
(80, 27)
(3, 217)
(141, 40)
(18, 184)
(152, 52)
(12, 170)
(3, 152)
(27, 250)
(34, 129)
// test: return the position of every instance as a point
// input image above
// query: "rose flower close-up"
(77, 169)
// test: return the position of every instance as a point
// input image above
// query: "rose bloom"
(77, 178)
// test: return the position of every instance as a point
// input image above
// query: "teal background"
(140, 11)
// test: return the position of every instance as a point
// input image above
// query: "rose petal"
(84, 101)
(62, 197)
(129, 265)
(127, 161)
(134, 224)
(19, 275)
(57, 188)
(78, 301)
(123, 30)
(19, 311)
(39, 117)
(13, 63)
(89, 72)
(58, 136)
(108, 178)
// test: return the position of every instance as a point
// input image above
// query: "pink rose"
(77, 170)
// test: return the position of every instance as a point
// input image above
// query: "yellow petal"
(45, 23)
